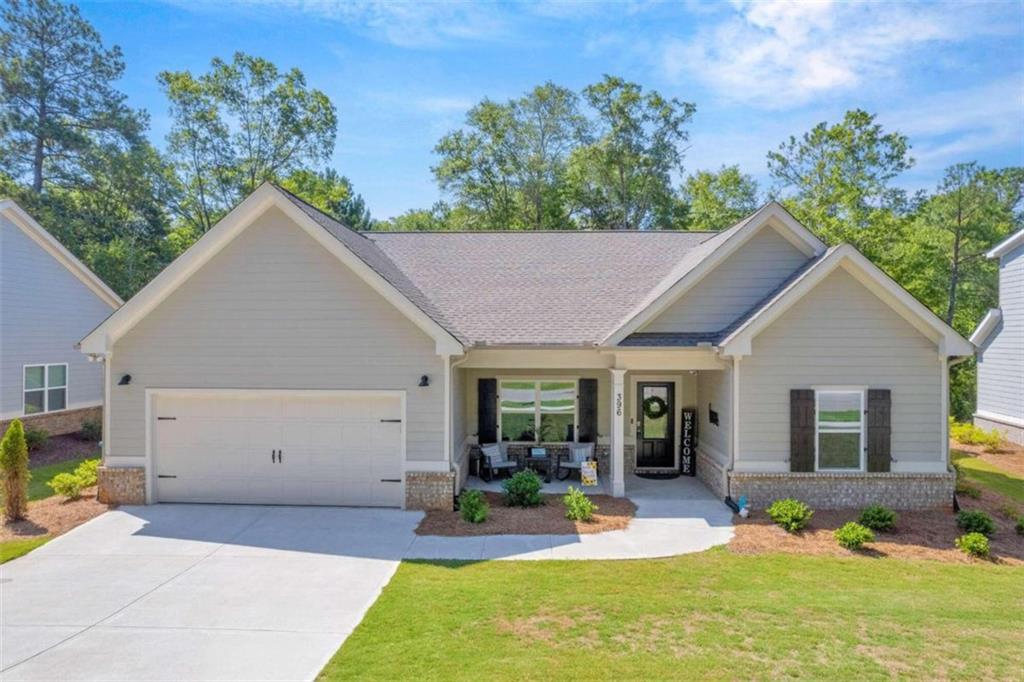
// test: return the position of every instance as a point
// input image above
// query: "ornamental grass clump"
(792, 515)
(522, 489)
(852, 535)
(878, 518)
(578, 506)
(976, 522)
(473, 506)
(14, 465)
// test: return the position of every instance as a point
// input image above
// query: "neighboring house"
(48, 301)
(1000, 342)
(287, 359)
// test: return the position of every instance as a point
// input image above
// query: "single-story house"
(1000, 341)
(48, 300)
(285, 358)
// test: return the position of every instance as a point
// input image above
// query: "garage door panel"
(334, 449)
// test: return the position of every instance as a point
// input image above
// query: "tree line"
(610, 156)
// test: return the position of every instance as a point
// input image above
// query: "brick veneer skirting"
(429, 489)
(58, 423)
(845, 491)
(712, 474)
(122, 485)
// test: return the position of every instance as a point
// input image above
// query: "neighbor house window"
(46, 388)
(531, 410)
(840, 430)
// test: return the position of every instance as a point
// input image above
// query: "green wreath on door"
(655, 407)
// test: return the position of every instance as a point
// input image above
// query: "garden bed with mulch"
(53, 516)
(62, 448)
(1009, 457)
(918, 535)
(614, 513)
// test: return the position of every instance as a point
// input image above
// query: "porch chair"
(574, 459)
(494, 459)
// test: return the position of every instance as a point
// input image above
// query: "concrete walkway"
(677, 516)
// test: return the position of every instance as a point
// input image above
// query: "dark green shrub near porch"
(792, 515)
(522, 490)
(878, 518)
(976, 522)
(473, 506)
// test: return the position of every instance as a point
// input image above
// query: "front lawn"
(986, 475)
(12, 549)
(710, 615)
(38, 488)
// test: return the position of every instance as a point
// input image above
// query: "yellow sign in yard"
(588, 473)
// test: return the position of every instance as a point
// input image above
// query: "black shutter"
(879, 429)
(801, 430)
(588, 411)
(487, 410)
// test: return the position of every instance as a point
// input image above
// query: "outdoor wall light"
(424, 380)
(125, 380)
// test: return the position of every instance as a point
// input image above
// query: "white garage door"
(278, 448)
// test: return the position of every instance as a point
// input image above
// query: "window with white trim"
(532, 410)
(46, 388)
(839, 430)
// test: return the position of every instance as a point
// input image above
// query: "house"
(287, 359)
(48, 301)
(1000, 342)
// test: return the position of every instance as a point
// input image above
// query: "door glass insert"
(654, 412)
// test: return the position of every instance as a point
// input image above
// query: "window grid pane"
(56, 399)
(35, 377)
(840, 426)
(56, 376)
(35, 401)
(518, 410)
(529, 406)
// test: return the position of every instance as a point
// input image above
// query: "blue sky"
(948, 75)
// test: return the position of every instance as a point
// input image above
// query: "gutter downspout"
(735, 430)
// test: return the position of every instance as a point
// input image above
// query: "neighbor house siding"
(44, 311)
(841, 334)
(1001, 358)
(732, 288)
(275, 309)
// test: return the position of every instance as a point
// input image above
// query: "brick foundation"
(845, 491)
(426, 490)
(712, 474)
(58, 423)
(122, 485)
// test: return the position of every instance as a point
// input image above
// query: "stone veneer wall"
(426, 490)
(1014, 434)
(121, 485)
(712, 474)
(846, 491)
(58, 423)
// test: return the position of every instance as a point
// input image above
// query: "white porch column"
(618, 433)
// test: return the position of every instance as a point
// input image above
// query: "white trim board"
(1005, 419)
(1009, 244)
(37, 233)
(986, 327)
(102, 338)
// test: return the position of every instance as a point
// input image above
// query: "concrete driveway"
(197, 592)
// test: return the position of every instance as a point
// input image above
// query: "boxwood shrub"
(473, 506)
(974, 544)
(522, 489)
(852, 535)
(975, 521)
(878, 518)
(792, 515)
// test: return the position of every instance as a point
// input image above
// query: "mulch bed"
(918, 535)
(1009, 457)
(54, 516)
(62, 448)
(614, 513)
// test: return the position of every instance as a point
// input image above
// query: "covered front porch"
(644, 411)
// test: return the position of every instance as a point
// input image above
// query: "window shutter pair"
(487, 410)
(802, 426)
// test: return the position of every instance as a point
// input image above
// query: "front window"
(46, 388)
(840, 430)
(532, 411)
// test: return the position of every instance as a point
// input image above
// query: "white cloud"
(443, 105)
(784, 54)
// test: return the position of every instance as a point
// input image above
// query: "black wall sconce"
(424, 380)
(125, 380)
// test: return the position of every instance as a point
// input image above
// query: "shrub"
(578, 506)
(793, 515)
(88, 472)
(969, 434)
(473, 506)
(92, 429)
(14, 465)
(66, 485)
(975, 522)
(974, 544)
(522, 489)
(876, 517)
(36, 438)
(853, 535)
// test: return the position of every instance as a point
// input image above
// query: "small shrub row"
(969, 434)
(70, 485)
(522, 489)
(792, 515)
(878, 518)
(853, 535)
(578, 507)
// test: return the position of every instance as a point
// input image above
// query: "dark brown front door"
(655, 432)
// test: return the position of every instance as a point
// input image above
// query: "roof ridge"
(297, 198)
(368, 233)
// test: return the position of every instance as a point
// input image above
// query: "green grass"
(12, 549)
(37, 488)
(981, 473)
(711, 615)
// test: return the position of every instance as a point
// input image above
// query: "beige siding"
(274, 309)
(743, 279)
(841, 334)
(714, 389)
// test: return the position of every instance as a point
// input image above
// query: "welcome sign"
(688, 443)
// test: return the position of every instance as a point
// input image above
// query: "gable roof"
(1009, 244)
(738, 340)
(987, 326)
(27, 224)
(355, 251)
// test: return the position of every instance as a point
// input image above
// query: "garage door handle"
(390, 480)
(390, 421)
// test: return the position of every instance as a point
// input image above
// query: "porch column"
(618, 433)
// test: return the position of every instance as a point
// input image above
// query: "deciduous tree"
(717, 200)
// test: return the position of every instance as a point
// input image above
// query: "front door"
(655, 433)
